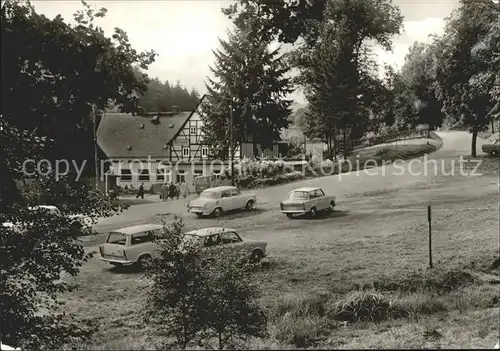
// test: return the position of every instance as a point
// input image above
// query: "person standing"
(171, 191)
(184, 190)
(140, 193)
(177, 190)
(164, 192)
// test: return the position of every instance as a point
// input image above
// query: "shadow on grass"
(129, 269)
(323, 215)
(237, 214)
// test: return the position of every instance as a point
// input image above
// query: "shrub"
(438, 281)
(192, 301)
(35, 254)
(301, 332)
(361, 306)
(295, 147)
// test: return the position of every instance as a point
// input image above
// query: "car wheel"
(313, 212)
(217, 212)
(331, 208)
(256, 256)
(144, 261)
(249, 205)
(289, 215)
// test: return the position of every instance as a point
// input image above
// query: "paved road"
(386, 178)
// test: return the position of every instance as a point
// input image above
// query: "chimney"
(175, 109)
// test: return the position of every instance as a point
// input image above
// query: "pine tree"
(250, 78)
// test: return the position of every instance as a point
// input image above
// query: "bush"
(36, 252)
(301, 332)
(253, 173)
(295, 147)
(361, 306)
(438, 281)
(193, 301)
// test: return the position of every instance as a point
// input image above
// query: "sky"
(184, 33)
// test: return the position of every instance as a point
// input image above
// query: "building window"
(192, 130)
(163, 175)
(125, 175)
(185, 152)
(144, 175)
(198, 173)
(181, 176)
(217, 173)
(204, 151)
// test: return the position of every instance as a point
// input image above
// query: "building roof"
(125, 135)
(306, 189)
(138, 228)
(209, 231)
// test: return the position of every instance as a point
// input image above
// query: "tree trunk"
(474, 140)
(334, 147)
(221, 346)
(345, 142)
(330, 148)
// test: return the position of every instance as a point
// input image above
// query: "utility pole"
(96, 158)
(231, 151)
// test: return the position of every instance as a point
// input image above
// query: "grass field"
(358, 278)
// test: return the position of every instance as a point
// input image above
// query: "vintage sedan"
(493, 146)
(131, 245)
(215, 201)
(78, 220)
(308, 200)
(218, 239)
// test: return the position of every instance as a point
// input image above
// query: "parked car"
(493, 147)
(307, 201)
(218, 238)
(215, 201)
(130, 245)
(79, 220)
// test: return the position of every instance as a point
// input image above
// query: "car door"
(233, 242)
(141, 243)
(212, 244)
(226, 200)
(237, 199)
(320, 199)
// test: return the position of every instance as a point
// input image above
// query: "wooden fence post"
(430, 235)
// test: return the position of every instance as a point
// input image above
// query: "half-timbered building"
(160, 148)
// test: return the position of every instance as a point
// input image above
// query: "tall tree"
(161, 97)
(468, 65)
(419, 72)
(52, 73)
(336, 69)
(285, 20)
(250, 79)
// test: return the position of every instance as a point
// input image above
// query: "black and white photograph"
(250, 174)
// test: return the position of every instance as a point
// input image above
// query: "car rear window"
(298, 195)
(116, 238)
(210, 194)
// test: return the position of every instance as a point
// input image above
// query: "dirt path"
(376, 179)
